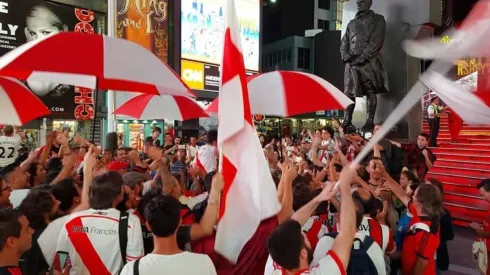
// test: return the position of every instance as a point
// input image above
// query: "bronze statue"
(365, 74)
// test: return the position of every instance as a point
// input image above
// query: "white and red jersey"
(314, 230)
(323, 251)
(207, 158)
(328, 265)
(9, 149)
(380, 233)
(91, 238)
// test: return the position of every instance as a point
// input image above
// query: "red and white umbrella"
(93, 61)
(287, 93)
(161, 107)
(18, 105)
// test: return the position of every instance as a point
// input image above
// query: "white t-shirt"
(45, 241)
(91, 238)
(193, 201)
(206, 158)
(9, 149)
(432, 109)
(193, 151)
(375, 253)
(327, 265)
(182, 263)
(17, 196)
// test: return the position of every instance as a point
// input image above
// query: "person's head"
(359, 212)
(15, 176)
(15, 233)
(367, 200)
(427, 200)
(436, 183)
(8, 131)
(129, 200)
(157, 131)
(301, 192)
(172, 187)
(135, 180)
(40, 208)
(484, 188)
(406, 178)
(363, 173)
(121, 155)
(262, 138)
(145, 200)
(435, 100)
(327, 133)
(411, 188)
(5, 191)
(41, 22)
(212, 137)
(67, 193)
(107, 156)
(335, 123)
(37, 172)
(364, 5)
(377, 126)
(422, 140)
(372, 167)
(106, 191)
(168, 138)
(289, 247)
(162, 215)
(269, 154)
(193, 141)
(148, 143)
(177, 140)
(288, 140)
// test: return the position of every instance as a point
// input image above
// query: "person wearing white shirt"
(163, 220)
(18, 180)
(193, 148)
(9, 146)
(434, 112)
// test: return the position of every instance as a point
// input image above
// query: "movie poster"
(145, 23)
(27, 20)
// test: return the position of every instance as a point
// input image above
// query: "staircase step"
(474, 146)
(462, 164)
(464, 220)
(467, 140)
(461, 179)
(468, 211)
(438, 168)
(463, 157)
(461, 151)
(465, 199)
(469, 189)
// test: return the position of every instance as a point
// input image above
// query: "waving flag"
(249, 193)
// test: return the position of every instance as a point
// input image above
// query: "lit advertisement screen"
(203, 23)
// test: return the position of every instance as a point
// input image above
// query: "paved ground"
(460, 255)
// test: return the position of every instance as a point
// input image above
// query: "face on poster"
(203, 24)
(24, 21)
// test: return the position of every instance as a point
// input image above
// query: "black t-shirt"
(183, 237)
(33, 262)
(10, 270)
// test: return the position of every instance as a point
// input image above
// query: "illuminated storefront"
(132, 133)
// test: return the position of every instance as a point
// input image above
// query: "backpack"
(123, 236)
(136, 267)
(360, 263)
(187, 215)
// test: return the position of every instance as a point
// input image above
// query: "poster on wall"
(145, 23)
(23, 21)
(202, 24)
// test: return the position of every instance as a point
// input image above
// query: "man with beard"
(18, 180)
(40, 208)
(419, 157)
(120, 163)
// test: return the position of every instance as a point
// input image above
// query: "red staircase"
(461, 164)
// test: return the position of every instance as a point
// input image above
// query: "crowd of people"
(70, 208)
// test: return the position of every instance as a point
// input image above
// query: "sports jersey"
(9, 149)
(10, 270)
(380, 233)
(182, 263)
(314, 230)
(323, 250)
(330, 264)
(206, 158)
(421, 240)
(91, 238)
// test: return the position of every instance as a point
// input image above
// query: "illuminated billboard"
(202, 25)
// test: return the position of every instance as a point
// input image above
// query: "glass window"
(284, 56)
(301, 58)
(307, 59)
(289, 55)
(324, 4)
(279, 57)
(274, 58)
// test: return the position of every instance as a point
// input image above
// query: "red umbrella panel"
(287, 93)
(161, 107)
(18, 105)
(99, 62)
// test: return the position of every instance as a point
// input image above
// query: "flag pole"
(111, 31)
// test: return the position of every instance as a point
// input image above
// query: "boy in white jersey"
(92, 237)
(9, 146)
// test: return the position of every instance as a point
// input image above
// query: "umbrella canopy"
(161, 107)
(18, 105)
(287, 93)
(93, 61)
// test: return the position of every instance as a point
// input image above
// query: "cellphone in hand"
(181, 147)
(59, 263)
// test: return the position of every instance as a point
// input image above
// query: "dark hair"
(117, 150)
(485, 184)
(8, 130)
(322, 208)
(363, 174)
(338, 167)
(9, 225)
(301, 195)
(378, 205)
(35, 206)
(368, 205)
(359, 212)
(54, 164)
(163, 215)
(330, 131)
(105, 189)
(208, 180)
(430, 199)
(425, 135)
(285, 244)
(122, 205)
(410, 176)
(65, 191)
(433, 99)
(437, 184)
(149, 140)
(32, 170)
(155, 129)
(147, 197)
(212, 136)
(7, 170)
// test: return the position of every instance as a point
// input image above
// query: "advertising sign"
(146, 23)
(202, 23)
(23, 21)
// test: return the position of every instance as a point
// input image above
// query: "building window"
(324, 4)
(307, 59)
(289, 55)
(304, 56)
(322, 24)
